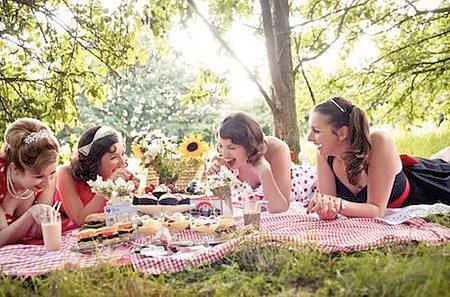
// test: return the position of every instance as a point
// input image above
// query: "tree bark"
(275, 14)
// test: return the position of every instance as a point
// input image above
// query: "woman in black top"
(360, 173)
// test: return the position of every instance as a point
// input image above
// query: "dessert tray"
(156, 210)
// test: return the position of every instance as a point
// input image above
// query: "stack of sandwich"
(95, 233)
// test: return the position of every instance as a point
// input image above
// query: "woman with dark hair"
(262, 161)
(360, 173)
(27, 179)
(100, 152)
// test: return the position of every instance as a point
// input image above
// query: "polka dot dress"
(303, 185)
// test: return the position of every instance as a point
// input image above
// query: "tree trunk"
(275, 14)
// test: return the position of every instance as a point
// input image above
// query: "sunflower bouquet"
(168, 157)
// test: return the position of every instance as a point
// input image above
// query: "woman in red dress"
(27, 179)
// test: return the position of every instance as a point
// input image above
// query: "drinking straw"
(57, 210)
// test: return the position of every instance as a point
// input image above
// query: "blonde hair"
(29, 144)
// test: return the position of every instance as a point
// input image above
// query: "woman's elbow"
(282, 207)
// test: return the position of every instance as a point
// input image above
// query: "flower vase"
(224, 193)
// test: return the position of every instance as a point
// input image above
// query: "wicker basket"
(183, 180)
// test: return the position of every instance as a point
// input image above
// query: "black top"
(343, 192)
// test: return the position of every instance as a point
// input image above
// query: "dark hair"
(341, 112)
(242, 129)
(30, 144)
(88, 167)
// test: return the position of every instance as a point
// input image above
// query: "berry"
(149, 189)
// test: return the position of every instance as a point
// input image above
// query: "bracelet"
(343, 205)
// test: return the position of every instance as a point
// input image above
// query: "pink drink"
(51, 232)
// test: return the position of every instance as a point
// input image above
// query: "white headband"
(337, 105)
(101, 133)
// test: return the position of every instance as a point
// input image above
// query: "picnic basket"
(184, 179)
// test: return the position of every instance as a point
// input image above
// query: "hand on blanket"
(39, 211)
(326, 206)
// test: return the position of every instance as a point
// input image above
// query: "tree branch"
(216, 34)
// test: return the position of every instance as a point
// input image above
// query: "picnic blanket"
(340, 235)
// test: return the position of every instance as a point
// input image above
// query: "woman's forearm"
(362, 210)
(17, 230)
(94, 206)
(277, 202)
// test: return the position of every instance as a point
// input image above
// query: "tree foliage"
(53, 50)
(147, 97)
(408, 78)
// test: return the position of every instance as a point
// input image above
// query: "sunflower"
(135, 148)
(193, 147)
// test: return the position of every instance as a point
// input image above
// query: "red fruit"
(171, 187)
(149, 189)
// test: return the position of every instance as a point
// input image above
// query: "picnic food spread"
(95, 233)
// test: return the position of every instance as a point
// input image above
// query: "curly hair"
(29, 144)
(242, 129)
(88, 167)
(342, 112)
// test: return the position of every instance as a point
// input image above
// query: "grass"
(405, 270)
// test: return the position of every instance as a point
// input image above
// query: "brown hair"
(88, 167)
(242, 129)
(342, 112)
(30, 144)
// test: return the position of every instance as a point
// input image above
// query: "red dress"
(3, 189)
(85, 194)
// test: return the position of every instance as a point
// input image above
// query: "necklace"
(24, 195)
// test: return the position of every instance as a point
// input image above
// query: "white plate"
(156, 210)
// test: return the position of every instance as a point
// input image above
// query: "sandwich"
(94, 220)
(226, 228)
(86, 238)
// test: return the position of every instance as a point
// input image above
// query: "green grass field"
(406, 270)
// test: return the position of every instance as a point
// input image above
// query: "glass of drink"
(51, 231)
(252, 213)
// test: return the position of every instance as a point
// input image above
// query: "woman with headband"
(100, 152)
(360, 173)
(27, 179)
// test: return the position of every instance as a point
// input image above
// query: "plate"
(156, 210)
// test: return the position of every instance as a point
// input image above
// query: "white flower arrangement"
(226, 178)
(115, 191)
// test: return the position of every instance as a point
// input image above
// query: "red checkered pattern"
(341, 235)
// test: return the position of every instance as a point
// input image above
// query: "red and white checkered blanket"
(346, 234)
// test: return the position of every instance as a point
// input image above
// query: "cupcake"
(176, 222)
(183, 199)
(204, 226)
(145, 199)
(160, 190)
(150, 227)
(168, 199)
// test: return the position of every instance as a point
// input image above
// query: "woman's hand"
(326, 206)
(40, 211)
(122, 173)
(215, 164)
